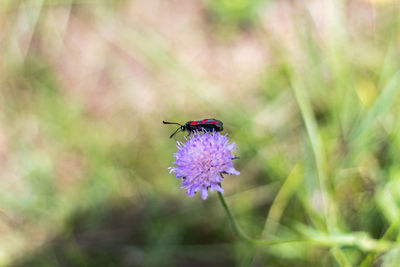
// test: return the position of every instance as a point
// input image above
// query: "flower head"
(201, 161)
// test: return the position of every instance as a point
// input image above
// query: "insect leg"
(177, 130)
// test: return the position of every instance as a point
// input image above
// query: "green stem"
(235, 227)
(371, 257)
(362, 241)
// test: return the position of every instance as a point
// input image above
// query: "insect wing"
(211, 124)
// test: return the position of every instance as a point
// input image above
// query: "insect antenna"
(180, 128)
(167, 122)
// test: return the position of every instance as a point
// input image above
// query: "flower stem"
(362, 241)
(243, 236)
(235, 227)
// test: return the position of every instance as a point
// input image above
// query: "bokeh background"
(308, 90)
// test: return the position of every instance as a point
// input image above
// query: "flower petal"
(219, 188)
(204, 192)
(232, 170)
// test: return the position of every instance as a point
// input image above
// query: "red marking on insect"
(194, 123)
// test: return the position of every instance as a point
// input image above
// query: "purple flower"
(201, 161)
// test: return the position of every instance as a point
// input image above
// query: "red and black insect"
(206, 125)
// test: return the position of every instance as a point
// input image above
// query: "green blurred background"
(308, 90)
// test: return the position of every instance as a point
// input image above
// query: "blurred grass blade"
(392, 258)
(29, 15)
(319, 156)
(390, 210)
(286, 192)
(340, 257)
(381, 107)
(316, 144)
